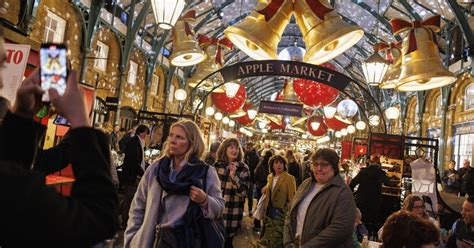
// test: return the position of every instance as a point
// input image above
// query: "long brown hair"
(222, 151)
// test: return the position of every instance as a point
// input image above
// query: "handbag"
(212, 230)
(260, 210)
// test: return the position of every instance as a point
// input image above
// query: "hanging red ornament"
(228, 104)
(336, 123)
(313, 93)
(245, 120)
(320, 131)
(274, 125)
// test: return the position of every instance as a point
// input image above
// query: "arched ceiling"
(214, 16)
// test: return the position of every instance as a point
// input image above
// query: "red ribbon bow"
(381, 46)
(190, 16)
(319, 9)
(220, 43)
(271, 9)
(432, 24)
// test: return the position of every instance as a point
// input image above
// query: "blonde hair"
(222, 151)
(195, 139)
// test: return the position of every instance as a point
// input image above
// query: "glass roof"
(213, 16)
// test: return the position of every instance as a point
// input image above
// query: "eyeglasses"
(322, 165)
(420, 206)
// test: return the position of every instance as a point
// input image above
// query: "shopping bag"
(260, 210)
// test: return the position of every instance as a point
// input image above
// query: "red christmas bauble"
(313, 93)
(245, 120)
(228, 104)
(336, 123)
(274, 125)
(321, 129)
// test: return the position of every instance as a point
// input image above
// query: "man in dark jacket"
(133, 166)
(465, 167)
(462, 233)
(33, 214)
(212, 154)
(369, 194)
(251, 159)
(468, 181)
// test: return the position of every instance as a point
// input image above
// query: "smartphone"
(53, 68)
(59, 120)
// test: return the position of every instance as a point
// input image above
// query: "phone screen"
(59, 120)
(53, 68)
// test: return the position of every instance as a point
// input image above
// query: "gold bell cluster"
(186, 50)
(325, 33)
(417, 65)
(215, 58)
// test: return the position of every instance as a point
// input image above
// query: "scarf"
(192, 174)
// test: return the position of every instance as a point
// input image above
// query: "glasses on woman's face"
(321, 164)
(418, 207)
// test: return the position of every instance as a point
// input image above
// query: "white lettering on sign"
(15, 64)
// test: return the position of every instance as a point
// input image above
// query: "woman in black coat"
(34, 214)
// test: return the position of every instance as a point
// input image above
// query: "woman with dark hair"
(279, 191)
(174, 193)
(322, 213)
(405, 229)
(234, 175)
(294, 167)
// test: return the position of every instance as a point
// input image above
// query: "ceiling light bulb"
(225, 120)
(338, 134)
(351, 129)
(218, 116)
(343, 132)
(210, 111)
(180, 94)
(360, 125)
(231, 123)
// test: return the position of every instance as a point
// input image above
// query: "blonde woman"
(235, 177)
(169, 194)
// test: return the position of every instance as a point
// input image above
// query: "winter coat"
(34, 214)
(234, 192)
(283, 192)
(143, 215)
(329, 218)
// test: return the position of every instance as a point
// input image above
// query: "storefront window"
(463, 146)
(469, 97)
(102, 54)
(54, 28)
(132, 73)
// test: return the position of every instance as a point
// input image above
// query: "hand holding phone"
(53, 62)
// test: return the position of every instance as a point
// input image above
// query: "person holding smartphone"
(31, 212)
(235, 176)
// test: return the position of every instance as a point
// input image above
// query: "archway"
(344, 84)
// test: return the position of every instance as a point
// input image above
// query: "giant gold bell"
(206, 68)
(393, 72)
(186, 50)
(324, 38)
(257, 36)
(422, 69)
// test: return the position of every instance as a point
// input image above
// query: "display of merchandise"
(394, 170)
